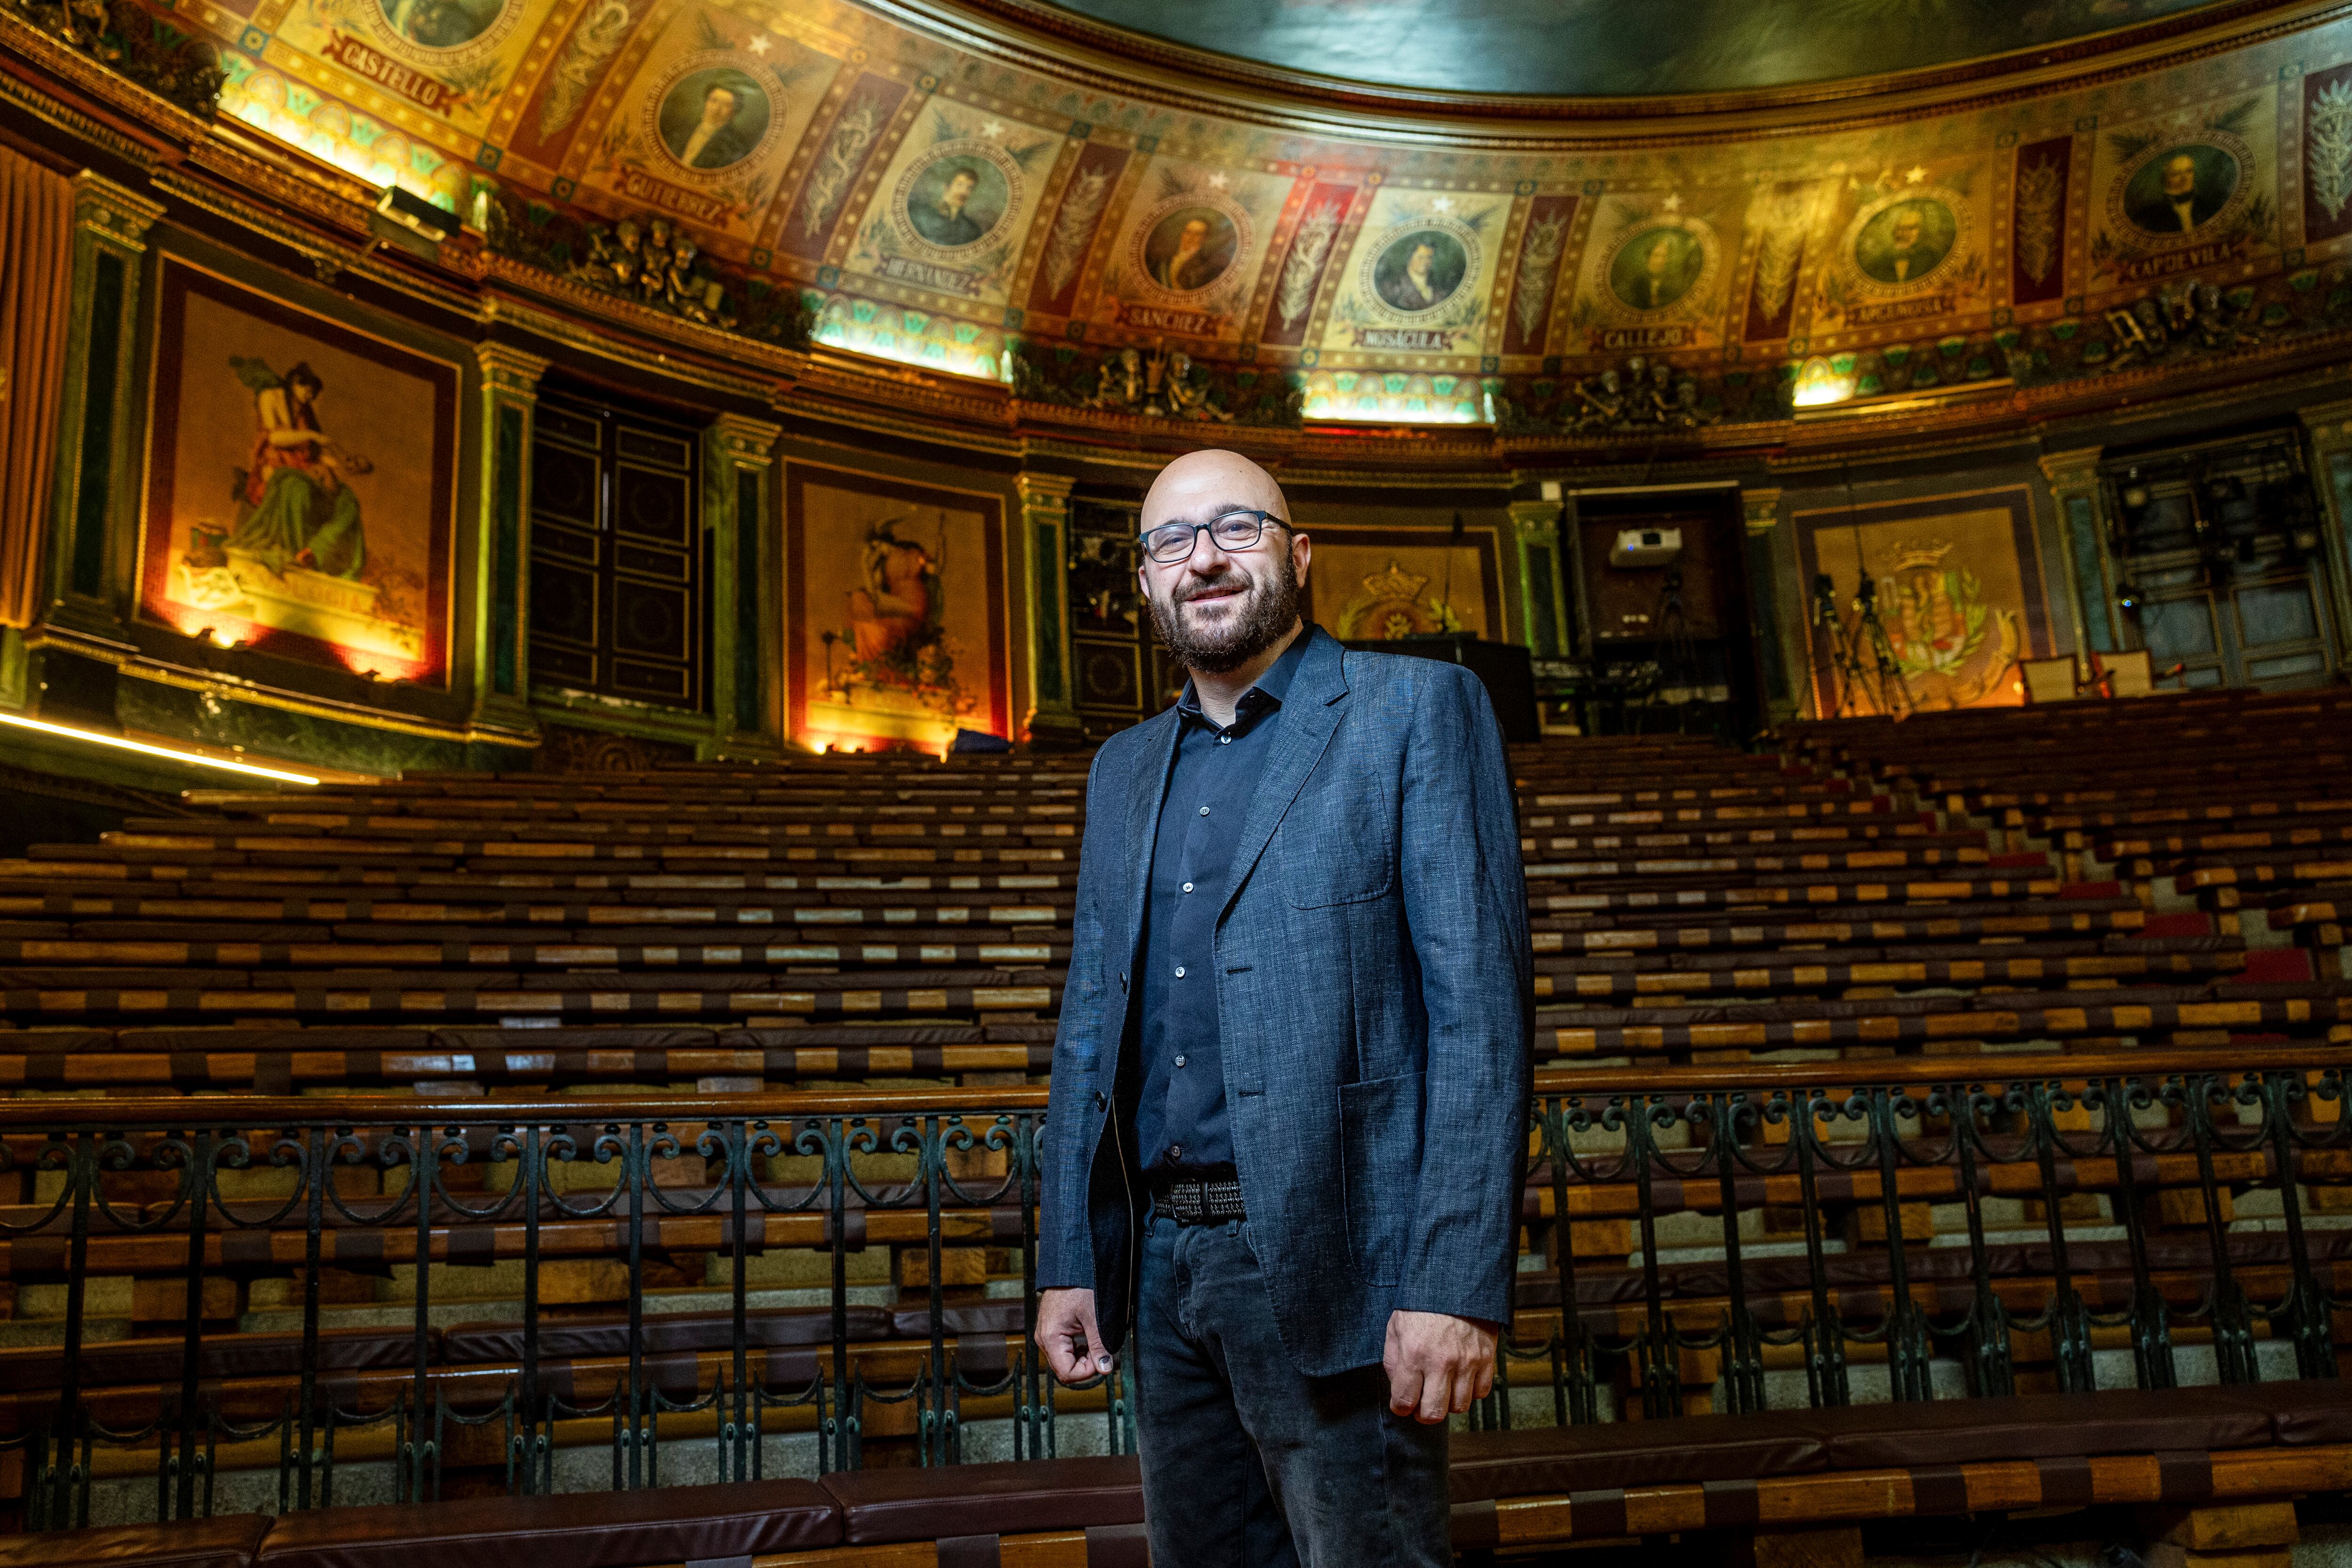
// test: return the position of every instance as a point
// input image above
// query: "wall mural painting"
(951, 214)
(1653, 275)
(299, 484)
(2191, 190)
(1378, 585)
(1958, 585)
(1188, 251)
(1910, 253)
(1419, 279)
(908, 189)
(704, 128)
(897, 595)
(449, 59)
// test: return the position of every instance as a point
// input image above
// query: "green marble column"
(1543, 603)
(747, 643)
(510, 398)
(1044, 531)
(94, 504)
(2074, 481)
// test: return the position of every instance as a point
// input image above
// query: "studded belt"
(1198, 1203)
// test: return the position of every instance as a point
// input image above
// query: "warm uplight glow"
(908, 336)
(367, 149)
(1825, 379)
(1394, 397)
(196, 759)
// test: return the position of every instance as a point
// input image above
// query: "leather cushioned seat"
(228, 1541)
(2317, 1410)
(1689, 1449)
(1018, 1498)
(1945, 1432)
(582, 1529)
(159, 1361)
(768, 1327)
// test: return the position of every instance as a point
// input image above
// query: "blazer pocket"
(1379, 1152)
(1320, 869)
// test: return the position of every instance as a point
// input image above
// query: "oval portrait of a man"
(1656, 268)
(2181, 189)
(440, 24)
(713, 119)
(1190, 249)
(1420, 270)
(957, 201)
(1906, 241)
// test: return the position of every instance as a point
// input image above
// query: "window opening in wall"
(617, 568)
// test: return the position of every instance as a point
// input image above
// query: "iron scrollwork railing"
(1687, 1212)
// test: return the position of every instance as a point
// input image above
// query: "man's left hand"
(1437, 1365)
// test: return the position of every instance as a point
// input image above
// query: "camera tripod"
(1863, 666)
(1674, 656)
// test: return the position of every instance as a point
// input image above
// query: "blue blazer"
(1373, 994)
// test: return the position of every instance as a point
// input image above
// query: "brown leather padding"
(584, 1529)
(879, 1506)
(1117, 1546)
(1549, 1461)
(2318, 1410)
(2053, 1427)
(228, 1540)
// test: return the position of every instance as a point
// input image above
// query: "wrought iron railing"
(1679, 1161)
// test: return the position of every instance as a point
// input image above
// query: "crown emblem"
(1921, 554)
(1396, 583)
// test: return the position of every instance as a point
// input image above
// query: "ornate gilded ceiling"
(948, 191)
(1583, 48)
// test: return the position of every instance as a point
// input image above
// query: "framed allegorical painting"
(896, 613)
(1376, 584)
(301, 483)
(1958, 590)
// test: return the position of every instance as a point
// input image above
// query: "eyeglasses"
(1234, 530)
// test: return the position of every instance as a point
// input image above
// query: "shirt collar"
(1263, 695)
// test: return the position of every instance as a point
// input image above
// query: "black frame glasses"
(1234, 530)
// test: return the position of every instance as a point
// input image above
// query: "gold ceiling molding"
(1101, 57)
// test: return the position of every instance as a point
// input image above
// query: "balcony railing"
(1698, 1237)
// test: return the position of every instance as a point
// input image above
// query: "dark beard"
(1269, 613)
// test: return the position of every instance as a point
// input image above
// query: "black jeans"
(1247, 1463)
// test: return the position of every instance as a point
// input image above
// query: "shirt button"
(1175, 1150)
(1224, 739)
(1180, 1061)
(1187, 887)
(1180, 972)
(1204, 811)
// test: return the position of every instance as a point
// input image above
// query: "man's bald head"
(1218, 609)
(1201, 485)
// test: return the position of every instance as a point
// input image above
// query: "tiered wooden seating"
(876, 923)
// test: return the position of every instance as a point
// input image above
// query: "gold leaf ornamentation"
(2329, 137)
(1296, 291)
(1539, 254)
(1066, 247)
(2041, 193)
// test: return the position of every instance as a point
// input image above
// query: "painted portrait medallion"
(1191, 246)
(1658, 266)
(713, 110)
(2175, 190)
(956, 196)
(1906, 240)
(441, 33)
(1422, 268)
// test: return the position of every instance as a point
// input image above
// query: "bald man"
(1290, 1105)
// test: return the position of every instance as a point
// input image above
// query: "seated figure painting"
(300, 492)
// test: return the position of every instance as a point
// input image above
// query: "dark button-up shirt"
(1180, 1121)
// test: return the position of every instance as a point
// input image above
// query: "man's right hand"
(1067, 1335)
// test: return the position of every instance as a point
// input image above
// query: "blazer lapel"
(1310, 712)
(1147, 791)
